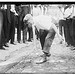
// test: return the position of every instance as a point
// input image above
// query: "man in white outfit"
(44, 23)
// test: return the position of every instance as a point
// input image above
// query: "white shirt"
(42, 22)
(61, 13)
(68, 12)
(73, 14)
(13, 9)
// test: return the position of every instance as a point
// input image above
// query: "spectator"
(66, 22)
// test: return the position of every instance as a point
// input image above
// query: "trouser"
(2, 37)
(46, 39)
(6, 24)
(70, 31)
(7, 32)
(73, 31)
(37, 33)
(61, 23)
(66, 24)
(30, 33)
(19, 30)
(25, 30)
(25, 34)
(3, 28)
(12, 28)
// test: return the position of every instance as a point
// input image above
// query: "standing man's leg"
(37, 33)
(12, 28)
(69, 32)
(30, 31)
(66, 30)
(5, 27)
(8, 13)
(61, 25)
(19, 30)
(8, 24)
(2, 38)
(25, 34)
(74, 32)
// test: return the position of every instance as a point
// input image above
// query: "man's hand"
(61, 38)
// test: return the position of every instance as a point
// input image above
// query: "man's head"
(29, 19)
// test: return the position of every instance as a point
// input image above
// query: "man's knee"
(48, 42)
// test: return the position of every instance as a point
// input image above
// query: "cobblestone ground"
(62, 60)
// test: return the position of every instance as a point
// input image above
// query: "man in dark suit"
(73, 31)
(2, 37)
(66, 22)
(26, 10)
(4, 28)
(12, 24)
(22, 10)
(19, 11)
(7, 24)
(29, 27)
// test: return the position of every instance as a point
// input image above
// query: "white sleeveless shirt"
(42, 22)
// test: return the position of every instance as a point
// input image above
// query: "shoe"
(41, 60)
(47, 54)
(24, 42)
(6, 45)
(13, 43)
(19, 41)
(2, 48)
(29, 40)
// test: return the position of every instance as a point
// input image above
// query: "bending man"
(45, 24)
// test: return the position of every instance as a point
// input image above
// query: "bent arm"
(34, 36)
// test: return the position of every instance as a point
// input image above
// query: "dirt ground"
(22, 59)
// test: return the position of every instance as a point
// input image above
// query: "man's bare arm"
(56, 30)
(34, 36)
